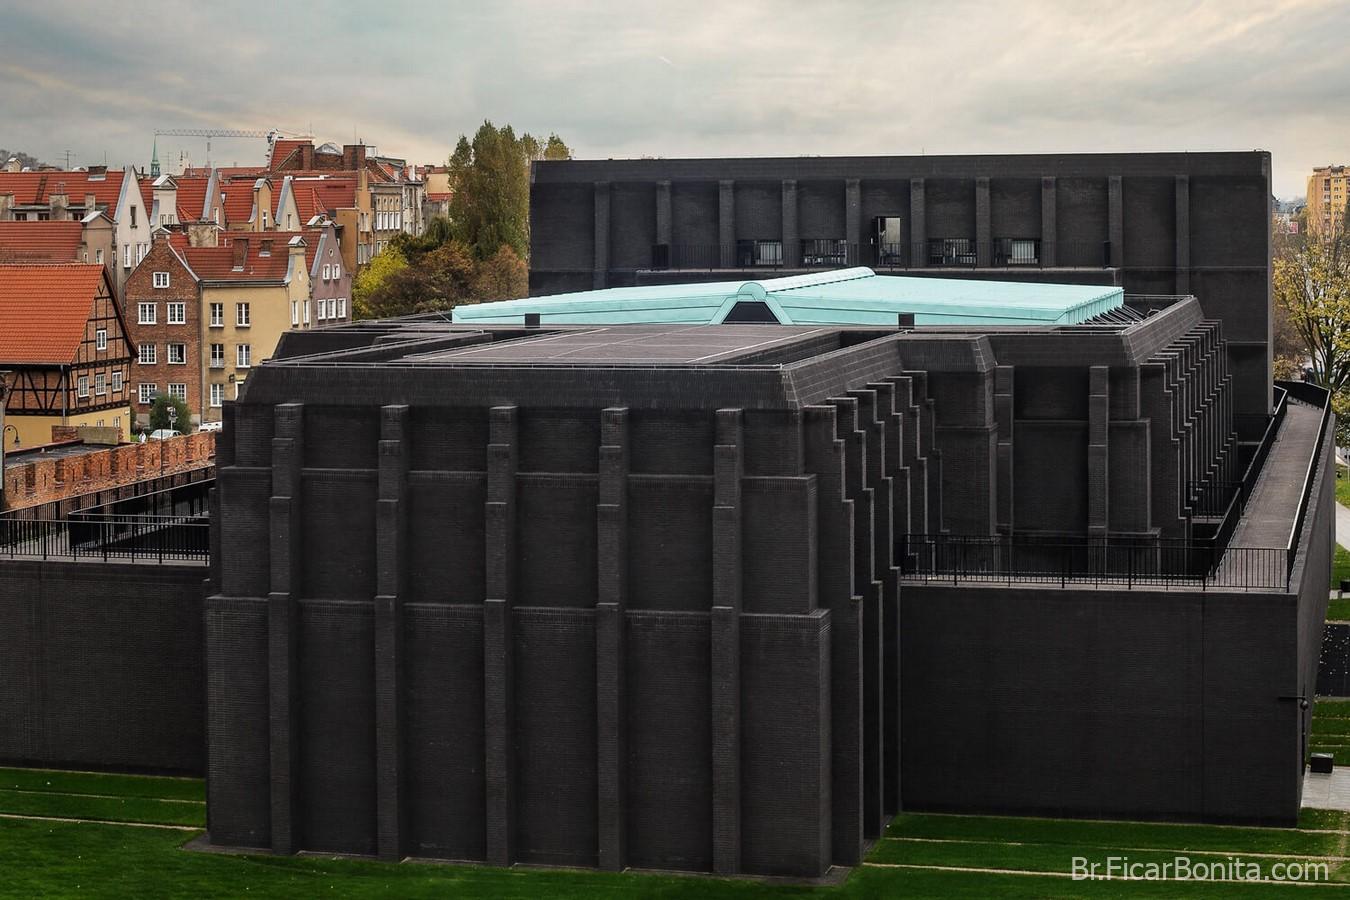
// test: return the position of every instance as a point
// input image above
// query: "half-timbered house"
(63, 338)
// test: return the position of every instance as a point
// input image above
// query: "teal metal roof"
(842, 297)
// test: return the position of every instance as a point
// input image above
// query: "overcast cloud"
(688, 78)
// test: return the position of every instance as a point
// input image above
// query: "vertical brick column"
(664, 214)
(1183, 255)
(792, 239)
(286, 548)
(498, 699)
(728, 467)
(1099, 401)
(1003, 471)
(1115, 220)
(1049, 222)
(726, 222)
(918, 225)
(390, 580)
(610, 630)
(984, 248)
(601, 269)
(825, 459)
(853, 231)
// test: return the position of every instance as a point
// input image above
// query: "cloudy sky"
(687, 78)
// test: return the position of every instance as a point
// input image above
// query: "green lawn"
(920, 855)
(1342, 487)
(1339, 610)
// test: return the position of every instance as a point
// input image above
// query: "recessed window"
(217, 394)
(117, 378)
(100, 384)
(82, 386)
(161, 279)
(342, 307)
(243, 355)
(177, 354)
(148, 354)
(177, 313)
(145, 313)
(217, 356)
(101, 339)
(295, 312)
(178, 390)
(217, 315)
(242, 315)
(145, 393)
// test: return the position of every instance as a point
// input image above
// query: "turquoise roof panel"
(843, 297)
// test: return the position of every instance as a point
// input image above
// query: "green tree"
(440, 279)
(369, 279)
(490, 188)
(159, 413)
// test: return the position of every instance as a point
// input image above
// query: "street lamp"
(4, 429)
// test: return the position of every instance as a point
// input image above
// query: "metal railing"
(832, 253)
(1070, 560)
(1314, 396)
(108, 539)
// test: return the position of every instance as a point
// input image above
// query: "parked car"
(212, 426)
(160, 434)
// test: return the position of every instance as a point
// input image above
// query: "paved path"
(1251, 559)
(1327, 791)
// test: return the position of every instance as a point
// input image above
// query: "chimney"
(58, 202)
(307, 155)
(353, 156)
(240, 253)
(90, 203)
(6, 207)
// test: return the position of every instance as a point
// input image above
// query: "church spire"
(154, 160)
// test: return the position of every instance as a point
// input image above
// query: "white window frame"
(243, 315)
(217, 356)
(182, 354)
(161, 280)
(243, 356)
(178, 389)
(82, 387)
(100, 384)
(217, 395)
(145, 393)
(101, 339)
(141, 313)
(321, 312)
(126, 256)
(342, 307)
(179, 307)
(295, 312)
(118, 379)
(148, 354)
(217, 315)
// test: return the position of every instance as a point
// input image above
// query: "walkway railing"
(108, 538)
(1314, 396)
(1069, 560)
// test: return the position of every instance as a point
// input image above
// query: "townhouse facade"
(63, 338)
(86, 240)
(163, 307)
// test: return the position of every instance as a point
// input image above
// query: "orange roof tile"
(284, 148)
(217, 263)
(44, 310)
(57, 242)
(37, 187)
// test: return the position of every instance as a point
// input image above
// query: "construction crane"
(209, 133)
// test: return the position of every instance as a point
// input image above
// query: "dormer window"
(161, 279)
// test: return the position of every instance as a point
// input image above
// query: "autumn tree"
(502, 276)
(370, 279)
(1312, 291)
(440, 279)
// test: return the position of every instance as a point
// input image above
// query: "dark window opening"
(751, 312)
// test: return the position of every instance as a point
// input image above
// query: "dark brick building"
(1156, 223)
(163, 305)
(726, 598)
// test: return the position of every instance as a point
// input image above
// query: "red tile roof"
(37, 187)
(283, 148)
(191, 198)
(44, 311)
(217, 263)
(238, 200)
(147, 186)
(57, 242)
(438, 196)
